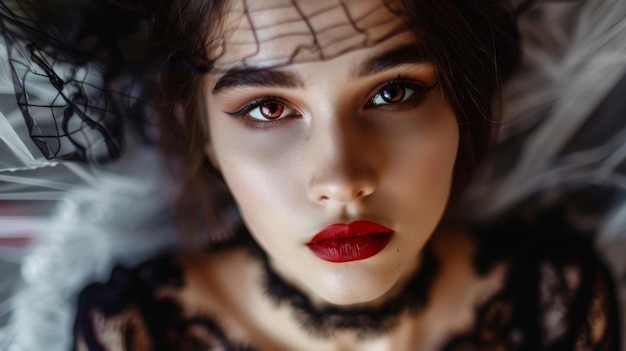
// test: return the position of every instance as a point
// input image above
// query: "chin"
(352, 288)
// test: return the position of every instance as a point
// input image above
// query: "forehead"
(263, 33)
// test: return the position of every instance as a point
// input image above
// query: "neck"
(364, 321)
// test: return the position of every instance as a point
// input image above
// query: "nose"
(341, 170)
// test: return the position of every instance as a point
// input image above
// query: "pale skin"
(247, 314)
(336, 155)
(334, 149)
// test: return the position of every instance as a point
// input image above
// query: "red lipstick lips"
(350, 242)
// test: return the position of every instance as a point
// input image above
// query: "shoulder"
(113, 314)
(159, 305)
(557, 293)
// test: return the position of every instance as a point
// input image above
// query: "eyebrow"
(411, 53)
(258, 77)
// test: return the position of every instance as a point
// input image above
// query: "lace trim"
(560, 301)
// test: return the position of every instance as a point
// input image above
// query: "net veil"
(82, 186)
(354, 25)
(79, 185)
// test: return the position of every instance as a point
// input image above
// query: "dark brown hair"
(473, 43)
(475, 46)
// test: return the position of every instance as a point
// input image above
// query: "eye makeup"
(262, 112)
(400, 94)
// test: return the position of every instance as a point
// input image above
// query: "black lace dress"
(557, 295)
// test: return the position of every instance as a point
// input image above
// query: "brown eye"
(266, 110)
(399, 93)
(392, 93)
(272, 110)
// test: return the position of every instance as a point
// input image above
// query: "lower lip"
(350, 244)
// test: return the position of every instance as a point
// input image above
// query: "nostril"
(341, 187)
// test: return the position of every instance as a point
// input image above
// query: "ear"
(210, 154)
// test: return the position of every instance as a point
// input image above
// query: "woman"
(341, 130)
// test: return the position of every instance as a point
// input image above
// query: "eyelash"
(244, 113)
(419, 92)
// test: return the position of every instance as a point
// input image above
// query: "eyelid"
(256, 103)
(421, 89)
(243, 113)
(402, 80)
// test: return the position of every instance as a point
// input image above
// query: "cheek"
(266, 198)
(431, 160)
(260, 175)
(260, 189)
(421, 170)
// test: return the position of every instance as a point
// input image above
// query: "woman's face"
(341, 161)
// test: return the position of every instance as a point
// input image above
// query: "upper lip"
(342, 231)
